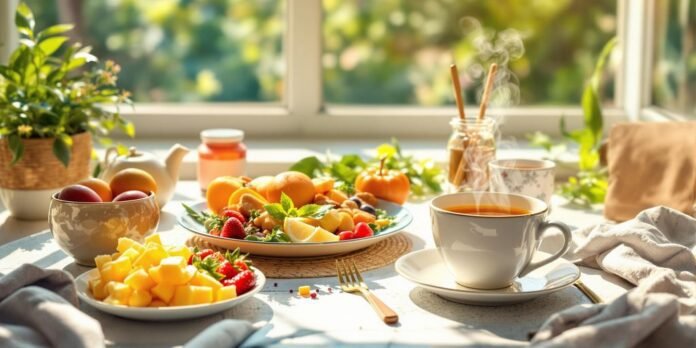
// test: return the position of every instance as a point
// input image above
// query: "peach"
(79, 193)
(129, 196)
(101, 187)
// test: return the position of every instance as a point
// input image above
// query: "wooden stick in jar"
(457, 90)
(492, 70)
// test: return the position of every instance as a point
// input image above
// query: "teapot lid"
(222, 136)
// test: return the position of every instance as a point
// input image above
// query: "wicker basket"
(39, 169)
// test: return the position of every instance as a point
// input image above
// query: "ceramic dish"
(163, 313)
(426, 268)
(402, 215)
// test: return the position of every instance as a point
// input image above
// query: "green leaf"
(310, 166)
(276, 211)
(593, 113)
(286, 202)
(62, 151)
(314, 211)
(386, 150)
(52, 44)
(194, 214)
(54, 30)
(128, 128)
(16, 147)
(24, 20)
(353, 161)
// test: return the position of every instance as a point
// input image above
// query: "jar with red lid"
(222, 153)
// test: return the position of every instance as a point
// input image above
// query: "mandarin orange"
(219, 192)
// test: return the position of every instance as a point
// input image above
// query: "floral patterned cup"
(534, 178)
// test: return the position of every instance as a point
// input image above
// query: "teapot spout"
(173, 161)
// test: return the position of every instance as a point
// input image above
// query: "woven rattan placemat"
(375, 256)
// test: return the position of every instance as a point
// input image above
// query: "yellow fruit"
(139, 298)
(101, 260)
(116, 270)
(186, 295)
(172, 270)
(119, 291)
(296, 185)
(153, 238)
(157, 303)
(225, 293)
(346, 223)
(179, 250)
(321, 235)
(337, 196)
(164, 292)
(152, 256)
(330, 221)
(112, 301)
(303, 290)
(132, 179)
(100, 187)
(236, 197)
(131, 253)
(260, 185)
(323, 185)
(310, 221)
(203, 279)
(219, 192)
(139, 280)
(127, 243)
(297, 230)
(97, 288)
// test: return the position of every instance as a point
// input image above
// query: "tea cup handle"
(567, 237)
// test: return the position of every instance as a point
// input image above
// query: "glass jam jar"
(470, 148)
(221, 153)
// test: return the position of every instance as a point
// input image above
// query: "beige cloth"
(38, 308)
(654, 251)
(650, 164)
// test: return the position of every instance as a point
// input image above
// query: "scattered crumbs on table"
(291, 291)
(330, 290)
(275, 285)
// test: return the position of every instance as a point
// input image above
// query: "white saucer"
(426, 268)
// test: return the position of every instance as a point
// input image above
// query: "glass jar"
(221, 153)
(470, 148)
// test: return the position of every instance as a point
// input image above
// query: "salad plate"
(402, 218)
(163, 313)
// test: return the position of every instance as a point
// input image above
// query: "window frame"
(303, 112)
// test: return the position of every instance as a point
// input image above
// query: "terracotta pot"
(26, 187)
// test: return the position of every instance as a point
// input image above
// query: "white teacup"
(523, 176)
(490, 251)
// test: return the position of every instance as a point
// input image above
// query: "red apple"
(79, 193)
(129, 196)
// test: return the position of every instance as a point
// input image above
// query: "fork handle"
(387, 314)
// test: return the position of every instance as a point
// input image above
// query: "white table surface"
(334, 318)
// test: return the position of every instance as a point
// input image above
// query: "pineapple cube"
(186, 295)
(164, 292)
(116, 270)
(119, 291)
(101, 260)
(225, 293)
(140, 280)
(304, 290)
(112, 301)
(172, 270)
(152, 256)
(140, 298)
(131, 253)
(153, 238)
(127, 243)
(204, 279)
(181, 250)
(157, 303)
(115, 256)
(97, 288)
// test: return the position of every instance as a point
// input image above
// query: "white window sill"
(265, 157)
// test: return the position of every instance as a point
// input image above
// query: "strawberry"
(227, 270)
(233, 228)
(201, 254)
(346, 235)
(231, 213)
(243, 281)
(362, 230)
(241, 264)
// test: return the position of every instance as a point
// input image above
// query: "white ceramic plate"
(426, 268)
(403, 219)
(163, 313)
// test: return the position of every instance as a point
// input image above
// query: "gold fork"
(594, 298)
(350, 280)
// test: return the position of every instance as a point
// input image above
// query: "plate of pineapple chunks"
(156, 282)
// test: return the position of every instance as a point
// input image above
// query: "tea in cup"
(488, 239)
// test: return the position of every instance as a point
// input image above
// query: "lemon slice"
(321, 235)
(297, 230)
(301, 232)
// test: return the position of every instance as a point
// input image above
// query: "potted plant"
(53, 100)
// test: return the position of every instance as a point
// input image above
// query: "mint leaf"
(315, 211)
(286, 202)
(276, 211)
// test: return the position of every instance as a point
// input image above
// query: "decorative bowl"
(85, 230)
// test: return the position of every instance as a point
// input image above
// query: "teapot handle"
(109, 157)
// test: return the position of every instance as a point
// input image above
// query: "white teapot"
(165, 172)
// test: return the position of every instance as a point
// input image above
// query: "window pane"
(182, 51)
(674, 71)
(399, 51)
